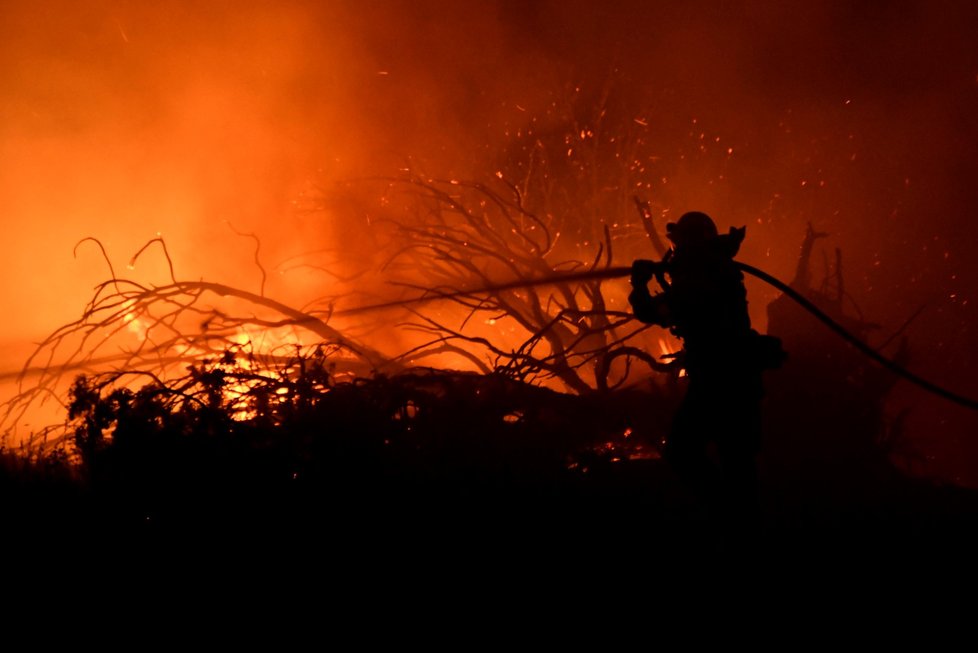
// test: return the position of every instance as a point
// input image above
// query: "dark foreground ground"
(446, 481)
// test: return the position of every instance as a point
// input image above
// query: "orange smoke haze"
(120, 119)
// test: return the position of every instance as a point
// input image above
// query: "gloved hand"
(642, 271)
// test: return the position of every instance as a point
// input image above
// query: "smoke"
(123, 119)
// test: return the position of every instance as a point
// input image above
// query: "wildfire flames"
(274, 165)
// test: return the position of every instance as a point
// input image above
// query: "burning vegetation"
(387, 346)
(194, 391)
(456, 238)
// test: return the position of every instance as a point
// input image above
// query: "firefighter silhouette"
(716, 432)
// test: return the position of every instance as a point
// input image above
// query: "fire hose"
(624, 271)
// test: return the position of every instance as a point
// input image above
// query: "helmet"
(691, 229)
